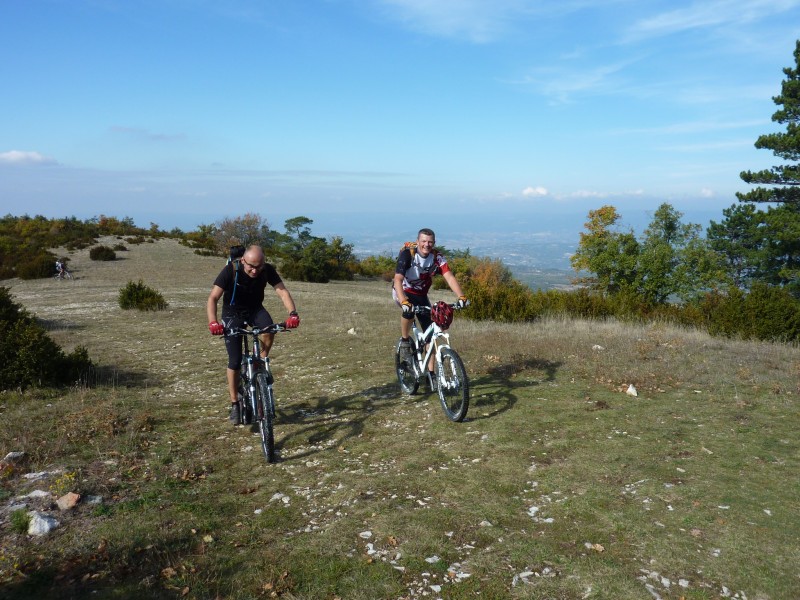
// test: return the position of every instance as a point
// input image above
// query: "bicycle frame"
(428, 339)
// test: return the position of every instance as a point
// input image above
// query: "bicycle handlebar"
(424, 309)
(274, 328)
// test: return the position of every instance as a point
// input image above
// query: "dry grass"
(557, 486)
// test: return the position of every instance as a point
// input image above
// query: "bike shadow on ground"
(313, 424)
(496, 390)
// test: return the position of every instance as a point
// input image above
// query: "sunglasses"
(254, 267)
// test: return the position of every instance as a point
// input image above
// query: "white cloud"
(534, 192)
(707, 193)
(589, 194)
(562, 83)
(602, 195)
(22, 157)
(718, 13)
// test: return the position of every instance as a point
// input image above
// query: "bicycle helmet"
(442, 314)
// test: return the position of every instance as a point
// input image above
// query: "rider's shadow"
(331, 418)
(496, 391)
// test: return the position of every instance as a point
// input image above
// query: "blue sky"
(386, 114)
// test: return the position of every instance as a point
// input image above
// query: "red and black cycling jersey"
(418, 271)
(249, 290)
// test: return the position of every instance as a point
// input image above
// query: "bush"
(377, 266)
(20, 520)
(140, 296)
(120, 248)
(37, 266)
(31, 357)
(102, 253)
(135, 240)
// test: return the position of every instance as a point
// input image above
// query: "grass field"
(558, 484)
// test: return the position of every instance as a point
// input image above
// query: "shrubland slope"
(558, 485)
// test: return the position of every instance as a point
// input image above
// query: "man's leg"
(405, 328)
(233, 390)
(233, 385)
(266, 343)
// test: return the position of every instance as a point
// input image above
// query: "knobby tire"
(266, 413)
(453, 385)
(405, 370)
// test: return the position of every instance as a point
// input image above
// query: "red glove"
(293, 320)
(216, 328)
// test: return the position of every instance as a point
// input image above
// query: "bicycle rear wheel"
(453, 385)
(266, 413)
(405, 370)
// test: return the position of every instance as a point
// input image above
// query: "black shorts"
(424, 318)
(258, 317)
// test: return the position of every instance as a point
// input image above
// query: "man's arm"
(211, 305)
(398, 287)
(286, 297)
(453, 283)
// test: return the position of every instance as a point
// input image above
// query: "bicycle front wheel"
(266, 415)
(405, 370)
(451, 379)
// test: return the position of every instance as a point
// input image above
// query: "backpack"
(411, 247)
(235, 256)
(235, 253)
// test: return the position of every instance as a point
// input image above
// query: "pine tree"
(780, 260)
(786, 145)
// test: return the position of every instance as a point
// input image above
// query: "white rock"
(365, 535)
(597, 347)
(631, 391)
(38, 494)
(352, 331)
(41, 524)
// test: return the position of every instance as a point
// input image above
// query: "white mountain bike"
(450, 377)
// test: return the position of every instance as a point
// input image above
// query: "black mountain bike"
(255, 398)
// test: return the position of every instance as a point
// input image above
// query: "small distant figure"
(62, 272)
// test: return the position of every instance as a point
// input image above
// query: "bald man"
(241, 286)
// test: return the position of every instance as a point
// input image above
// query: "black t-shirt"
(249, 290)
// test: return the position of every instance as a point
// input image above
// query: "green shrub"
(32, 358)
(20, 520)
(377, 266)
(80, 244)
(120, 248)
(41, 264)
(135, 240)
(140, 296)
(102, 253)
(771, 313)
